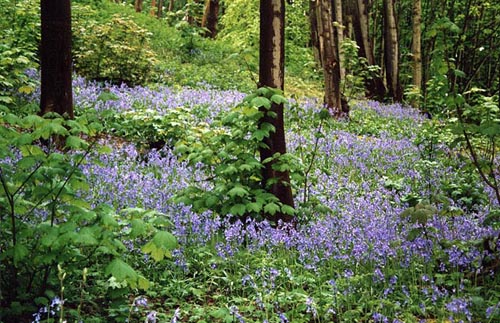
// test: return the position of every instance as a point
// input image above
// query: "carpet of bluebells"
(358, 261)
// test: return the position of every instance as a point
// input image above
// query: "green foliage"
(20, 27)
(357, 70)
(115, 50)
(240, 24)
(45, 223)
(228, 155)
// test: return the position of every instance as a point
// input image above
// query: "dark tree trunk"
(159, 8)
(313, 20)
(210, 17)
(55, 50)
(138, 5)
(271, 74)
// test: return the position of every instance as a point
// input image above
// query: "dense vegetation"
(146, 207)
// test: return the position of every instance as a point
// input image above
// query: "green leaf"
(254, 207)
(75, 142)
(108, 219)
(278, 99)
(259, 134)
(261, 102)
(121, 270)
(20, 253)
(238, 209)
(211, 200)
(139, 228)
(220, 313)
(237, 191)
(160, 246)
(86, 238)
(165, 239)
(287, 209)
(271, 208)
(143, 283)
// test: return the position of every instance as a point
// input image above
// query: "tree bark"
(55, 56)
(171, 5)
(313, 21)
(416, 48)
(159, 8)
(374, 85)
(328, 52)
(339, 28)
(271, 74)
(138, 5)
(210, 17)
(152, 10)
(391, 52)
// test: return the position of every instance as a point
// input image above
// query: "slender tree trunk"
(271, 74)
(138, 5)
(330, 59)
(152, 10)
(313, 21)
(159, 8)
(374, 84)
(171, 5)
(210, 17)
(391, 51)
(55, 54)
(338, 20)
(416, 48)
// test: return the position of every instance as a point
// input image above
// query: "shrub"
(116, 50)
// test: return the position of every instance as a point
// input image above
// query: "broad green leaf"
(160, 246)
(143, 283)
(271, 208)
(238, 209)
(20, 252)
(278, 99)
(121, 270)
(165, 239)
(75, 142)
(287, 209)
(237, 191)
(261, 102)
(211, 201)
(254, 207)
(139, 228)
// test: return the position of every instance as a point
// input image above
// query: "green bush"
(117, 50)
(20, 25)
